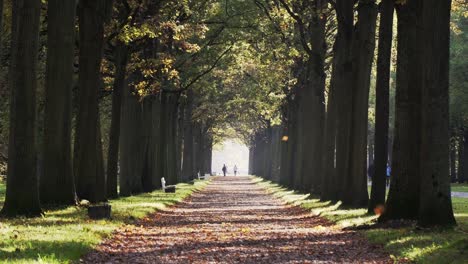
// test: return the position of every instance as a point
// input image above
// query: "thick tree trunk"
(382, 104)
(133, 149)
(363, 53)
(168, 136)
(57, 184)
(121, 59)
(151, 173)
(342, 78)
(403, 197)
(22, 196)
(434, 40)
(88, 175)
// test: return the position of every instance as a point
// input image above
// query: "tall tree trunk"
(88, 175)
(121, 60)
(403, 197)
(151, 172)
(180, 140)
(331, 186)
(313, 104)
(22, 196)
(168, 134)
(434, 40)
(57, 183)
(382, 109)
(133, 149)
(342, 78)
(187, 160)
(276, 153)
(363, 53)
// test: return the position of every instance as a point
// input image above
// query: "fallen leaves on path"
(233, 220)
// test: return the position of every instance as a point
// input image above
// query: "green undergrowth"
(63, 235)
(459, 187)
(403, 243)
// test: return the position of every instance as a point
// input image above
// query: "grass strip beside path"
(64, 235)
(403, 243)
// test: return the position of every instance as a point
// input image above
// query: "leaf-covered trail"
(234, 220)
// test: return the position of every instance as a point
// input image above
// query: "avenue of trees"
(102, 98)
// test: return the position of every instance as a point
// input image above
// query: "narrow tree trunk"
(464, 159)
(434, 40)
(403, 197)
(453, 160)
(462, 153)
(382, 104)
(331, 186)
(180, 140)
(121, 59)
(57, 183)
(22, 187)
(187, 160)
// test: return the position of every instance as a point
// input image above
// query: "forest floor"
(63, 235)
(236, 220)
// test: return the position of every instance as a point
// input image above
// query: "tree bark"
(434, 40)
(22, 196)
(382, 104)
(187, 160)
(461, 157)
(331, 186)
(133, 149)
(464, 159)
(453, 161)
(343, 75)
(87, 156)
(363, 53)
(169, 102)
(121, 60)
(57, 184)
(403, 197)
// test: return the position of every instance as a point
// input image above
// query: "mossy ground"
(63, 235)
(403, 243)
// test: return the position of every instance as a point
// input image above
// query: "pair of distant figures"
(225, 170)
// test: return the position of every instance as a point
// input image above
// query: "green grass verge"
(459, 187)
(421, 246)
(63, 235)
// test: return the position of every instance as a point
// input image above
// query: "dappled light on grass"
(405, 242)
(63, 235)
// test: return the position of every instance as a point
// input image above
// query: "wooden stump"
(97, 212)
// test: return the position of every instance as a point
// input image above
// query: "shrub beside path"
(234, 220)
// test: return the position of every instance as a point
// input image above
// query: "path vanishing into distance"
(234, 220)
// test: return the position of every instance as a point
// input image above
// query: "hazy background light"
(231, 152)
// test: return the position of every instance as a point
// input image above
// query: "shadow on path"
(234, 220)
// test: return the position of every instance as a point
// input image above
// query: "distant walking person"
(224, 170)
(235, 170)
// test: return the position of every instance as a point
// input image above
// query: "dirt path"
(234, 220)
